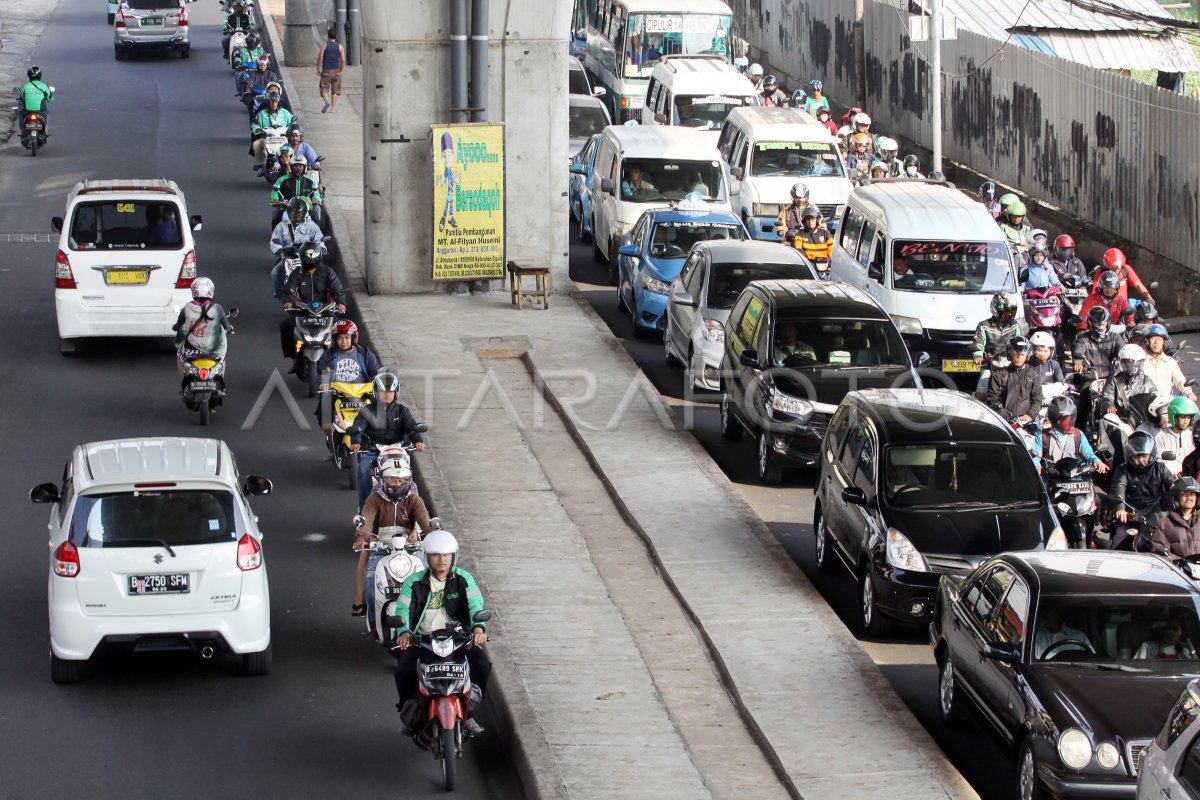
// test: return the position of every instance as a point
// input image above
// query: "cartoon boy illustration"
(449, 180)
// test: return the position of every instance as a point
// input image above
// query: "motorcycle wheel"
(313, 378)
(205, 410)
(449, 758)
(33, 145)
(352, 473)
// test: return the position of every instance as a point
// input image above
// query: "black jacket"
(317, 287)
(388, 425)
(1145, 491)
(1100, 355)
(1015, 392)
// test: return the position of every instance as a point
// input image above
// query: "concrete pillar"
(305, 28)
(406, 80)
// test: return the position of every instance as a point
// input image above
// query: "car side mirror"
(599, 91)
(854, 495)
(44, 493)
(661, 119)
(922, 358)
(682, 297)
(256, 485)
(1002, 651)
(578, 169)
(875, 272)
(606, 185)
(56, 223)
(749, 358)
(196, 222)
(482, 616)
(630, 250)
(737, 172)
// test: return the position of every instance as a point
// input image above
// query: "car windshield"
(707, 112)
(652, 36)
(674, 239)
(577, 82)
(142, 516)
(653, 180)
(796, 160)
(586, 120)
(126, 225)
(954, 474)
(728, 279)
(954, 267)
(802, 342)
(1148, 631)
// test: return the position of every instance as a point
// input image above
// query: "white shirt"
(1165, 372)
(1046, 637)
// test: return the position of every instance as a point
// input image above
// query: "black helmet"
(296, 129)
(385, 382)
(987, 191)
(1184, 484)
(1018, 345)
(1098, 320)
(1110, 280)
(297, 210)
(911, 161)
(809, 212)
(310, 256)
(937, 175)
(34, 73)
(1145, 312)
(1139, 443)
(770, 80)
(253, 40)
(1061, 408)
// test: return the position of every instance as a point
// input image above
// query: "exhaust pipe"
(207, 652)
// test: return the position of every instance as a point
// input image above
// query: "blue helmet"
(1156, 330)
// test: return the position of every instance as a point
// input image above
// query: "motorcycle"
(274, 138)
(314, 335)
(237, 40)
(393, 558)
(446, 693)
(1044, 311)
(348, 400)
(1113, 429)
(203, 385)
(1074, 498)
(33, 131)
(381, 452)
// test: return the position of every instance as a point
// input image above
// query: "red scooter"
(1044, 310)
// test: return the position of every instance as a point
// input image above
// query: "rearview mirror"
(578, 169)
(922, 358)
(482, 616)
(875, 272)
(1153, 284)
(233, 312)
(683, 297)
(1002, 651)
(661, 119)
(256, 485)
(606, 185)
(854, 495)
(56, 223)
(44, 493)
(737, 172)
(599, 91)
(1168, 455)
(196, 220)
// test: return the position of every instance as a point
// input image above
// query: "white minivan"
(933, 257)
(696, 92)
(766, 151)
(640, 167)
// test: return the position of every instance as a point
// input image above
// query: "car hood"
(830, 385)
(823, 191)
(1083, 698)
(972, 531)
(665, 269)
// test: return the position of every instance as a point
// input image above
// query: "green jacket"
(285, 188)
(34, 94)
(461, 599)
(265, 119)
(243, 54)
(1016, 235)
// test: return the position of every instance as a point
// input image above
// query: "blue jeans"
(365, 462)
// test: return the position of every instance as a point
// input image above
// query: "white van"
(956, 258)
(640, 167)
(696, 92)
(768, 150)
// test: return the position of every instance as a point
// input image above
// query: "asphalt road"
(323, 724)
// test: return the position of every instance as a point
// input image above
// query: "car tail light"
(120, 22)
(66, 560)
(249, 553)
(187, 273)
(63, 277)
(183, 20)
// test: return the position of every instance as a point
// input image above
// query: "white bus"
(620, 42)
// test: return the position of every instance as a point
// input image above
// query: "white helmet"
(395, 468)
(756, 70)
(1131, 357)
(203, 289)
(440, 542)
(889, 145)
(861, 118)
(391, 452)
(299, 159)
(1042, 339)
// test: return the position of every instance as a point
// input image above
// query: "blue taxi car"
(654, 252)
(579, 191)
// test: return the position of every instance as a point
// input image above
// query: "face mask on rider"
(397, 489)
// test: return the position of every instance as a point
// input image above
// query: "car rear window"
(577, 82)
(126, 225)
(145, 517)
(142, 5)
(728, 279)
(585, 120)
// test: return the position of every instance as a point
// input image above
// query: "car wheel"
(873, 623)
(1028, 783)
(826, 561)
(597, 256)
(584, 235)
(120, 53)
(731, 429)
(638, 331)
(668, 356)
(621, 304)
(112, 18)
(769, 472)
(185, 51)
(64, 671)
(257, 663)
(68, 347)
(614, 265)
(689, 372)
(950, 704)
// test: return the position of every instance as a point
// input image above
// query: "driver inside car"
(637, 182)
(1053, 630)
(788, 345)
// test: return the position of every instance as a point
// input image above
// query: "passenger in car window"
(1171, 643)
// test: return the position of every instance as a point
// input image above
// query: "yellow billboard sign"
(468, 201)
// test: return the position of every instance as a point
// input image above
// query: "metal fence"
(1105, 148)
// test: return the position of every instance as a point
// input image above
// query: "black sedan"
(1073, 658)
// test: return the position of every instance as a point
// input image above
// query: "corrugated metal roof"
(1126, 50)
(996, 18)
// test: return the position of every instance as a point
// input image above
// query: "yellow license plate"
(126, 276)
(959, 365)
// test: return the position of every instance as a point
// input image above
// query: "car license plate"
(152, 20)
(175, 583)
(446, 671)
(126, 277)
(1077, 487)
(959, 365)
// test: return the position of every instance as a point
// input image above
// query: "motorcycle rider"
(770, 95)
(1127, 382)
(1096, 352)
(889, 154)
(394, 503)
(294, 231)
(1171, 429)
(798, 98)
(429, 601)
(912, 167)
(35, 96)
(1016, 228)
(1064, 260)
(987, 195)
(816, 99)
(297, 183)
(1015, 391)
(755, 73)
(295, 137)
(1062, 439)
(237, 19)
(1048, 370)
(385, 420)
(1162, 369)
(202, 326)
(273, 116)
(1141, 484)
(258, 78)
(1178, 533)
(813, 240)
(791, 219)
(1040, 274)
(1107, 295)
(249, 53)
(1114, 259)
(314, 282)
(995, 331)
(858, 162)
(346, 362)
(823, 117)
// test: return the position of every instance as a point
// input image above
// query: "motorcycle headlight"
(654, 285)
(901, 553)
(443, 647)
(1075, 748)
(909, 325)
(714, 331)
(1057, 540)
(1107, 755)
(790, 405)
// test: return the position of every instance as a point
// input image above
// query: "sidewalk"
(20, 26)
(652, 637)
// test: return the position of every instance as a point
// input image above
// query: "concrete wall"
(304, 30)
(406, 88)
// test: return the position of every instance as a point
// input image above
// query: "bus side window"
(725, 143)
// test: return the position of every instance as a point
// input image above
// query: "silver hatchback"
(152, 23)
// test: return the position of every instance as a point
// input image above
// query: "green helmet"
(1016, 209)
(1181, 407)
(1007, 200)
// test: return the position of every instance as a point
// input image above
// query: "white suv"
(126, 259)
(153, 547)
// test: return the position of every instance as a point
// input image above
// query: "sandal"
(358, 610)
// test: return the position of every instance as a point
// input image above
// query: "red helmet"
(1064, 241)
(1114, 258)
(347, 326)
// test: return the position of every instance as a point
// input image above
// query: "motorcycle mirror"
(435, 523)
(233, 312)
(257, 485)
(1153, 285)
(421, 427)
(482, 616)
(196, 222)
(359, 520)
(56, 223)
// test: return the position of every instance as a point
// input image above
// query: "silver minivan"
(1170, 767)
(152, 23)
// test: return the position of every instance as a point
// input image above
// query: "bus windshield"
(655, 180)
(953, 267)
(796, 160)
(649, 37)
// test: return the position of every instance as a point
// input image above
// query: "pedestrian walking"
(330, 62)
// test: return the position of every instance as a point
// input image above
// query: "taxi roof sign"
(693, 201)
